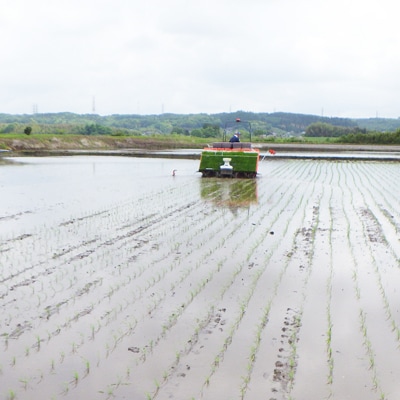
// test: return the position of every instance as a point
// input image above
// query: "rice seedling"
(87, 367)
(6, 336)
(38, 341)
(66, 388)
(24, 382)
(11, 395)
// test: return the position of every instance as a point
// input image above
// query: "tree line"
(355, 135)
(323, 129)
(264, 125)
(371, 138)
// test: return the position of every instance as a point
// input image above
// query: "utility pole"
(93, 105)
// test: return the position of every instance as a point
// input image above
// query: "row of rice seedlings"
(255, 348)
(151, 283)
(134, 210)
(388, 192)
(375, 263)
(57, 231)
(377, 270)
(294, 338)
(264, 319)
(38, 346)
(260, 240)
(244, 305)
(189, 270)
(370, 353)
(294, 170)
(228, 339)
(176, 314)
(329, 350)
(37, 284)
(72, 282)
(387, 218)
(45, 317)
(329, 298)
(75, 318)
(15, 246)
(362, 314)
(75, 345)
(187, 347)
(265, 314)
(283, 206)
(39, 341)
(236, 271)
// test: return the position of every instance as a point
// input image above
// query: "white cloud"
(200, 56)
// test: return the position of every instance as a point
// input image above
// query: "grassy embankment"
(22, 142)
(67, 142)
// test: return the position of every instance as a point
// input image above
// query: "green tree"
(323, 129)
(28, 130)
(180, 131)
(9, 128)
(95, 129)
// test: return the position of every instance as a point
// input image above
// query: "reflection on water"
(231, 193)
(8, 161)
(35, 191)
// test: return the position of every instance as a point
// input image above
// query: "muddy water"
(43, 190)
(120, 280)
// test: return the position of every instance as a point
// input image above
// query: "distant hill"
(279, 123)
(379, 124)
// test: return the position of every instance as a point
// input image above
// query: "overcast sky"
(322, 57)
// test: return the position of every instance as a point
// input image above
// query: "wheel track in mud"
(286, 364)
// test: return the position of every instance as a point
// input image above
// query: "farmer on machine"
(235, 137)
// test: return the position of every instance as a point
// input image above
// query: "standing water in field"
(121, 279)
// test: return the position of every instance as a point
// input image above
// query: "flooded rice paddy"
(121, 281)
